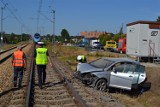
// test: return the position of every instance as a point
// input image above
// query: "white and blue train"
(36, 37)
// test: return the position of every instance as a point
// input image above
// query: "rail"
(8, 56)
(78, 98)
(29, 99)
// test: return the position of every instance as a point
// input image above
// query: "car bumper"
(88, 81)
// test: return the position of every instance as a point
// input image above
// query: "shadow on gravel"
(133, 93)
(50, 84)
(10, 90)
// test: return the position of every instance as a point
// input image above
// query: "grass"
(147, 99)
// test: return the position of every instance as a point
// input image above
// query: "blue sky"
(31, 16)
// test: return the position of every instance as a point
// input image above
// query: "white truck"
(94, 43)
(143, 40)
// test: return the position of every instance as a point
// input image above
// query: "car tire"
(101, 85)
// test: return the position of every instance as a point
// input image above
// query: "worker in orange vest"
(19, 64)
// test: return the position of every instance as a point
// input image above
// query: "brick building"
(91, 34)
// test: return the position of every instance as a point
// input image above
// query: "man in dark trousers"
(19, 64)
(41, 57)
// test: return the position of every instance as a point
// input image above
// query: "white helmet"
(40, 43)
(79, 57)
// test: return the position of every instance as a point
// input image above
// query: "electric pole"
(53, 37)
(2, 8)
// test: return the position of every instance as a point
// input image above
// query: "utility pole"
(53, 36)
(2, 8)
(21, 31)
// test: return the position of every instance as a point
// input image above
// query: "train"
(37, 37)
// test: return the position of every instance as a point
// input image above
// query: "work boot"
(43, 82)
(40, 86)
(15, 85)
(19, 85)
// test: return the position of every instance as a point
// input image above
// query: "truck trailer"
(143, 40)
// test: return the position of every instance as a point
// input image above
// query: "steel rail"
(5, 58)
(7, 50)
(8, 56)
(30, 91)
(78, 100)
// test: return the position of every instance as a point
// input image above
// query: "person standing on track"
(41, 57)
(19, 63)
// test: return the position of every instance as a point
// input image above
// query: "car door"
(122, 76)
(139, 74)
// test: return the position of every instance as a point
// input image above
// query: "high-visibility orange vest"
(18, 59)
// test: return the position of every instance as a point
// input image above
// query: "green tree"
(65, 35)
(104, 37)
(116, 37)
(121, 30)
(158, 19)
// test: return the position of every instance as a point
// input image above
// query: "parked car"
(82, 44)
(100, 46)
(123, 73)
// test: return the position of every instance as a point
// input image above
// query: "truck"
(94, 43)
(111, 45)
(122, 45)
(143, 40)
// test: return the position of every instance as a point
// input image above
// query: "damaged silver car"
(123, 73)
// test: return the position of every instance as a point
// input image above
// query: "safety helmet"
(40, 43)
(79, 57)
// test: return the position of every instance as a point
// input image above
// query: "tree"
(158, 19)
(104, 37)
(121, 30)
(65, 35)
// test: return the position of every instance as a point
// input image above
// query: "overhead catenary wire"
(38, 15)
(10, 9)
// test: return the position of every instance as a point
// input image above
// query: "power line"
(38, 15)
(19, 20)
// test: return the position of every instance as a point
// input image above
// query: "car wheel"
(101, 85)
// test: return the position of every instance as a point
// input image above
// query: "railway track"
(4, 55)
(60, 89)
(12, 96)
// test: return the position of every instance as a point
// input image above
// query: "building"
(91, 34)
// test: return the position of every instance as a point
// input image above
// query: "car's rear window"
(101, 63)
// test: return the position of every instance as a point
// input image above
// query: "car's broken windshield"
(101, 63)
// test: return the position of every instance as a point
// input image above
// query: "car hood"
(85, 68)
